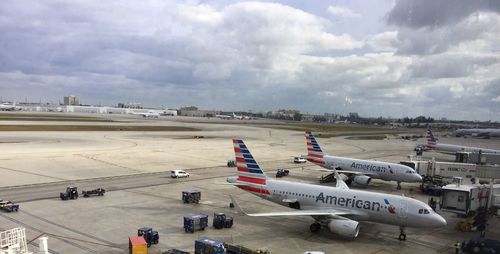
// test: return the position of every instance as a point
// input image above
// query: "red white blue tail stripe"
(431, 140)
(249, 172)
(314, 152)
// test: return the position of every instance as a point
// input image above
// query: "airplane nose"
(418, 178)
(439, 221)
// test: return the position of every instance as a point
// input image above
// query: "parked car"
(178, 173)
(299, 160)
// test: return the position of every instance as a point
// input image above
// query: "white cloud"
(496, 99)
(342, 12)
(385, 41)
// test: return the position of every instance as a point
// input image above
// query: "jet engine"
(362, 179)
(346, 228)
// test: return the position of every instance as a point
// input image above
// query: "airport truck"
(222, 221)
(150, 236)
(71, 193)
(8, 206)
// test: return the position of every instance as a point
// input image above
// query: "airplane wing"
(335, 213)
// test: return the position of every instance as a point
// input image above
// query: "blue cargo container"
(195, 222)
(206, 245)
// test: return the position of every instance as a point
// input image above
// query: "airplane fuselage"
(363, 205)
(452, 149)
(375, 169)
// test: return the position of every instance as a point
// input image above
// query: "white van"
(178, 173)
(299, 160)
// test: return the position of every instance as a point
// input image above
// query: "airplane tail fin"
(250, 174)
(314, 152)
(431, 140)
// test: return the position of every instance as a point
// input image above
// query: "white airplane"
(453, 149)
(337, 208)
(149, 114)
(359, 171)
(480, 133)
(224, 117)
(240, 117)
(7, 106)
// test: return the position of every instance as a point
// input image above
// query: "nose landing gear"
(399, 186)
(402, 235)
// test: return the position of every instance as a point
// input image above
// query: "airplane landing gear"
(399, 186)
(402, 235)
(315, 227)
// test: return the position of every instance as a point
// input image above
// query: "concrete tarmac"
(134, 169)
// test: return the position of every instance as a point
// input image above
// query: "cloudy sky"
(377, 58)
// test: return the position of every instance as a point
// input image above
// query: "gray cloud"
(246, 55)
(418, 14)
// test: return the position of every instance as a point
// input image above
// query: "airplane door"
(402, 209)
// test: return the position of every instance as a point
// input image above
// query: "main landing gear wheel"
(402, 235)
(315, 227)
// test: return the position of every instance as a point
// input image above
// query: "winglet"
(237, 206)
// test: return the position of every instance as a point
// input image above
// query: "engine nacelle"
(362, 179)
(345, 228)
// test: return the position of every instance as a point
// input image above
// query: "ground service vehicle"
(231, 163)
(206, 245)
(481, 245)
(191, 196)
(178, 173)
(8, 206)
(71, 193)
(195, 222)
(222, 221)
(150, 236)
(98, 192)
(299, 160)
(282, 172)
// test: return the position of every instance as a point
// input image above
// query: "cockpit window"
(426, 211)
(420, 211)
(423, 211)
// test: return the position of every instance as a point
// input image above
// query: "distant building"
(71, 100)
(134, 105)
(195, 112)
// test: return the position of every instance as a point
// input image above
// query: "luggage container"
(137, 245)
(195, 222)
(191, 196)
(205, 245)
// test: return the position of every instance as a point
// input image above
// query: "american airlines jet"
(360, 171)
(479, 133)
(337, 208)
(452, 149)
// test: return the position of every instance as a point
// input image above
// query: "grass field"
(93, 128)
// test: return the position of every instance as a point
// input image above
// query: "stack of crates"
(195, 222)
(205, 245)
(191, 196)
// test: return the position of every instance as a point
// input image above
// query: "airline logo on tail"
(250, 175)
(314, 152)
(431, 141)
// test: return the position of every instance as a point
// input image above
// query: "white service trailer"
(463, 199)
(445, 170)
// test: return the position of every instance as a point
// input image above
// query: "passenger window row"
(296, 194)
